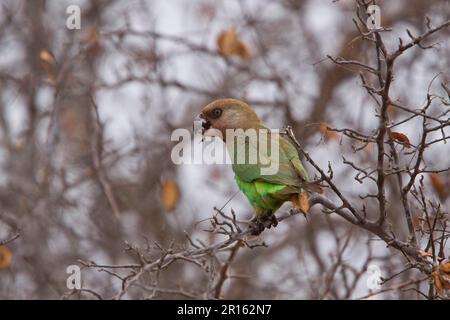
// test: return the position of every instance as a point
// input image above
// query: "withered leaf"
(47, 57)
(170, 195)
(5, 257)
(441, 276)
(228, 44)
(328, 134)
(48, 64)
(400, 138)
(438, 183)
(304, 202)
(243, 50)
(437, 282)
(425, 254)
(445, 267)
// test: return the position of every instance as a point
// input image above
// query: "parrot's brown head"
(226, 114)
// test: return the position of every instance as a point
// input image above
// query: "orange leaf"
(48, 64)
(304, 203)
(400, 138)
(170, 195)
(300, 202)
(437, 282)
(425, 254)
(47, 57)
(328, 134)
(445, 267)
(5, 257)
(243, 50)
(438, 183)
(445, 282)
(441, 277)
(228, 44)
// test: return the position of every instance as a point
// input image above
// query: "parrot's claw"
(258, 224)
(273, 221)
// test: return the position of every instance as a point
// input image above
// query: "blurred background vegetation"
(85, 123)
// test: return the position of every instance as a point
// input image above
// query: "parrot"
(265, 192)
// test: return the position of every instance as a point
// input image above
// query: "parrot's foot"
(273, 221)
(257, 226)
(259, 223)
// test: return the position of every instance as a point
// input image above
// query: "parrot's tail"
(300, 202)
(312, 187)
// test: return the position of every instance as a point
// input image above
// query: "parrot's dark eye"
(215, 113)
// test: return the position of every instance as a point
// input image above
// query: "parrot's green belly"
(263, 196)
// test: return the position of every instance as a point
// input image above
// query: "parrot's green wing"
(267, 192)
(292, 154)
(290, 169)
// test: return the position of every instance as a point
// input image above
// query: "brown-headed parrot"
(265, 192)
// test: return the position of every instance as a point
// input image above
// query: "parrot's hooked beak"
(206, 125)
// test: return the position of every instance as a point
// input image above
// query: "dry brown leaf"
(441, 276)
(437, 282)
(228, 44)
(243, 50)
(47, 57)
(48, 64)
(425, 254)
(445, 267)
(170, 194)
(5, 257)
(300, 202)
(438, 183)
(328, 134)
(400, 138)
(445, 280)
(304, 202)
